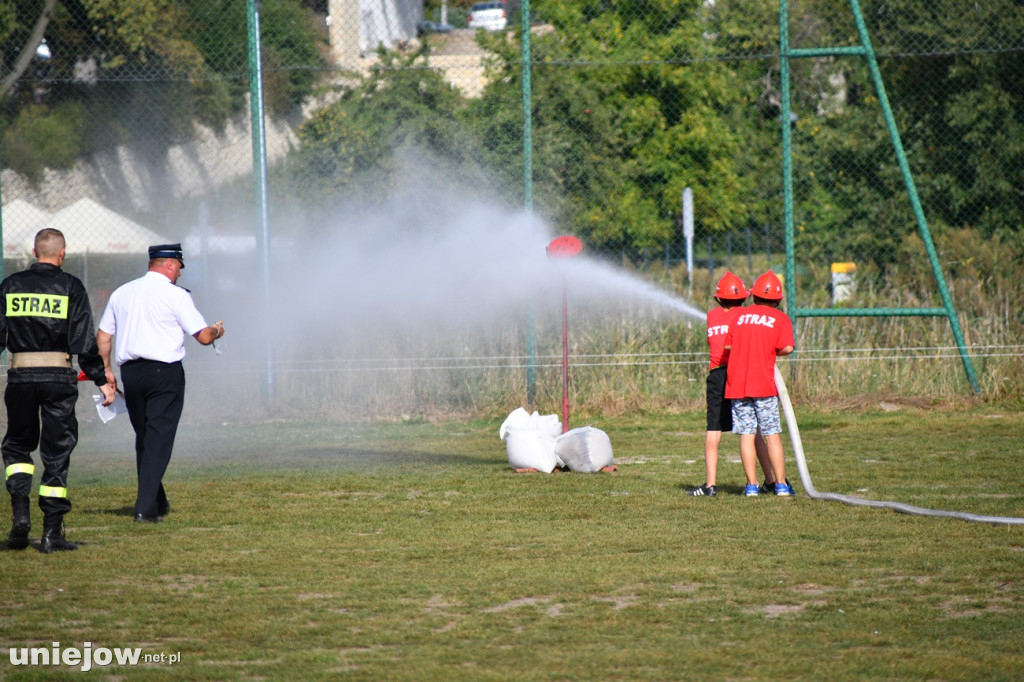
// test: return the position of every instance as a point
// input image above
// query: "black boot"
(53, 536)
(21, 524)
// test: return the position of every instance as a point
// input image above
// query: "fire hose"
(812, 492)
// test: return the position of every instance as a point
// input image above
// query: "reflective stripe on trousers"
(29, 469)
(51, 491)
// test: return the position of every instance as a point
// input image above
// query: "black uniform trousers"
(154, 393)
(54, 403)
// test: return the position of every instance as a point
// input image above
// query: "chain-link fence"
(400, 162)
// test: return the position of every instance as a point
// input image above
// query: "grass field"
(410, 551)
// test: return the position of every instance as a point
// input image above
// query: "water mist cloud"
(382, 267)
(436, 254)
(379, 307)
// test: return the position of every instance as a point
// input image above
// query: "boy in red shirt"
(730, 295)
(757, 335)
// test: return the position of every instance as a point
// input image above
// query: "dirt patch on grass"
(811, 588)
(777, 610)
(517, 603)
(686, 587)
(438, 604)
(965, 607)
(620, 602)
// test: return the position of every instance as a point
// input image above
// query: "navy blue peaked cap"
(167, 251)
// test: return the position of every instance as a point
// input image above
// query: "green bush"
(41, 137)
(291, 56)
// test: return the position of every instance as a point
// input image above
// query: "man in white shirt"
(150, 317)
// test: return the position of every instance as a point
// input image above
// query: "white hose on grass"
(805, 476)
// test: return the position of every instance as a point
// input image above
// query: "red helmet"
(768, 286)
(730, 288)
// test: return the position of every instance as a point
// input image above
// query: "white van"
(488, 15)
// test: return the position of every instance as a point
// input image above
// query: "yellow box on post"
(844, 284)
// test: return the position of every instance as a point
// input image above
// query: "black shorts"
(719, 407)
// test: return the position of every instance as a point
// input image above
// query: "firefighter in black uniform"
(45, 317)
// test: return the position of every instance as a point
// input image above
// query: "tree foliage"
(615, 144)
(960, 120)
(354, 147)
(142, 31)
(149, 69)
(632, 101)
(19, 41)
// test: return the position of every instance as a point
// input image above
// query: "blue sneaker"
(751, 490)
(784, 489)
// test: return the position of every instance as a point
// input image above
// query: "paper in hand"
(108, 412)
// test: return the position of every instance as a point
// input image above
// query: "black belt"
(139, 361)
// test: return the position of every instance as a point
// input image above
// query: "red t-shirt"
(756, 335)
(718, 327)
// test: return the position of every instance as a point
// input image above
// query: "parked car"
(488, 15)
(426, 27)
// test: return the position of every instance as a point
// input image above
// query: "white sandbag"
(530, 440)
(585, 449)
(531, 449)
(521, 419)
(550, 424)
(518, 417)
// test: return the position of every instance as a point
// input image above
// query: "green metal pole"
(259, 155)
(787, 174)
(531, 322)
(787, 159)
(915, 201)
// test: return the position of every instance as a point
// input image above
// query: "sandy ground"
(460, 58)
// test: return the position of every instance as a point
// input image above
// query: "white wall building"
(358, 27)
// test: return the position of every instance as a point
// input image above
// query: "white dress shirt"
(150, 317)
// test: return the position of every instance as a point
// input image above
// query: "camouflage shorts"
(750, 413)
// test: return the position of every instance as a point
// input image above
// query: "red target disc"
(565, 246)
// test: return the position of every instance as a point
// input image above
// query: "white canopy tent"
(90, 227)
(90, 230)
(21, 221)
